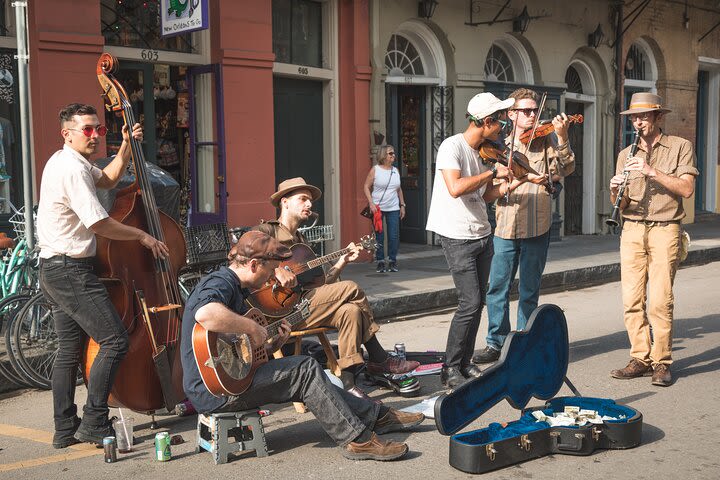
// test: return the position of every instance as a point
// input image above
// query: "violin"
(546, 127)
(492, 153)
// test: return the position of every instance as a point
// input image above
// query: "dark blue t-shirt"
(221, 286)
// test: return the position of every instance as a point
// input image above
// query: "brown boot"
(396, 421)
(661, 375)
(634, 369)
(374, 449)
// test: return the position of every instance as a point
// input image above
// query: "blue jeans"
(300, 378)
(392, 226)
(81, 307)
(530, 255)
(469, 262)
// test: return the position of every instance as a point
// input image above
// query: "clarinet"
(613, 221)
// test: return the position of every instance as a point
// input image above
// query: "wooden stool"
(245, 427)
(332, 363)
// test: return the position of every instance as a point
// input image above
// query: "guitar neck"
(326, 258)
(293, 319)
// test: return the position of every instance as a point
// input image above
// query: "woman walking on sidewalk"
(383, 192)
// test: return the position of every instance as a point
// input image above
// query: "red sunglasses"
(88, 131)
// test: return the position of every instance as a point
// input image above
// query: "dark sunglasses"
(391, 153)
(526, 111)
(88, 131)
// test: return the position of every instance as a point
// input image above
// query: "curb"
(389, 309)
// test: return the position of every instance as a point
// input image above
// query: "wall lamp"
(426, 8)
(521, 22)
(596, 37)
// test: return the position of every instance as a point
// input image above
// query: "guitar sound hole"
(236, 358)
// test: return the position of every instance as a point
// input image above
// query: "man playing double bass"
(69, 216)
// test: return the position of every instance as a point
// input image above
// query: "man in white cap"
(458, 215)
(661, 174)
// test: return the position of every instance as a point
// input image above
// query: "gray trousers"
(300, 378)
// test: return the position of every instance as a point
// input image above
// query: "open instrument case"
(533, 363)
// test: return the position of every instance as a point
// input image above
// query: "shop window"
(297, 32)
(402, 58)
(10, 153)
(7, 19)
(497, 66)
(136, 23)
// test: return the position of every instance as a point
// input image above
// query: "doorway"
(405, 111)
(299, 139)
(701, 132)
(574, 182)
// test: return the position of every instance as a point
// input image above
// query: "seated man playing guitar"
(218, 305)
(338, 304)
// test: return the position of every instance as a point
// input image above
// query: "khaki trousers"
(343, 305)
(649, 257)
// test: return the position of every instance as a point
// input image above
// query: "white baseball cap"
(484, 104)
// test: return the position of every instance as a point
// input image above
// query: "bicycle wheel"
(9, 307)
(33, 341)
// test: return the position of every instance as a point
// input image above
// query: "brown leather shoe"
(394, 365)
(395, 421)
(661, 375)
(634, 369)
(357, 392)
(374, 449)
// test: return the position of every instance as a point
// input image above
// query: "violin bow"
(551, 189)
(509, 163)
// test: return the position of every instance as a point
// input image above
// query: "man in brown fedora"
(338, 304)
(218, 305)
(660, 175)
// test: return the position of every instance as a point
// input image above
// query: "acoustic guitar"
(227, 362)
(275, 300)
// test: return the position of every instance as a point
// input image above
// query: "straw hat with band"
(291, 184)
(642, 102)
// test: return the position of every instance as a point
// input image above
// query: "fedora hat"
(645, 102)
(287, 186)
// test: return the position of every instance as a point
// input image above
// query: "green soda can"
(162, 447)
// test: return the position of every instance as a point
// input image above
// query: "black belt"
(64, 260)
(653, 223)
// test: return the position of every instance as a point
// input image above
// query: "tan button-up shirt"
(649, 200)
(527, 211)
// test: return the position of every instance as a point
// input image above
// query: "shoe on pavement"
(95, 433)
(404, 384)
(396, 421)
(355, 391)
(393, 364)
(451, 377)
(487, 355)
(393, 267)
(471, 371)
(65, 438)
(380, 267)
(661, 375)
(374, 449)
(635, 368)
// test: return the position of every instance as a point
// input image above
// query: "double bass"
(143, 289)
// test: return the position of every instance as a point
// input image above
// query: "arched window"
(402, 58)
(572, 79)
(498, 67)
(635, 64)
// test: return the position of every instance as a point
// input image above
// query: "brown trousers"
(649, 257)
(343, 305)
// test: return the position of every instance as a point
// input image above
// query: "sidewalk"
(424, 281)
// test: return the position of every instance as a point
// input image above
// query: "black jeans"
(299, 378)
(81, 307)
(469, 262)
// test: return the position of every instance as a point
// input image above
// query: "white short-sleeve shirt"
(464, 217)
(68, 206)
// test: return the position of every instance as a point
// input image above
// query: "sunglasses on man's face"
(88, 131)
(526, 111)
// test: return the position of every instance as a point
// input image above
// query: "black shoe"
(393, 267)
(471, 371)
(95, 433)
(380, 267)
(486, 355)
(451, 377)
(405, 385)
(65, 438)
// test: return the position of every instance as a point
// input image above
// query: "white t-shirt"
(390, 201)
(68, 206)
(464, 217)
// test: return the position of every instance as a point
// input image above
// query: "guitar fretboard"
(293, 319)
(322, 260)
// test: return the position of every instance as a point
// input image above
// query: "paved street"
(680, 422)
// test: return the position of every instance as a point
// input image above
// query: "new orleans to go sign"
(183, 16)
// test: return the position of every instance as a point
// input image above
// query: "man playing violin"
(463, 183)
(218, 304)
(69, 216)
(523, 221)
(338, 304)
(661, 174)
